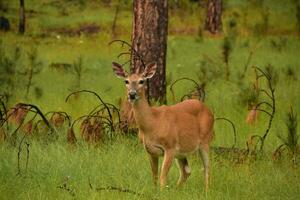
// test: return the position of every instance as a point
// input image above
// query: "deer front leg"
(167, 162)
(154, 167)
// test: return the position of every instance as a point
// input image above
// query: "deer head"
(135, 82)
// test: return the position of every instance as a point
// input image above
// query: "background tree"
(22, 17)
(33, 68)
(113, 28)
(149, 38)
(213, 22)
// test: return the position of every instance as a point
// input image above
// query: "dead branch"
(272, 105)
(197, 86)
(233, 128)
(264, 91)
(263, 102)
(103, 103)
(122, 54)
(277, 153)
(132, 50)
(250, 142)
(98, 109)
(264, 111)
(27, 157)
(40, 114)
(90, 116)
(68, 117)
(19, 154)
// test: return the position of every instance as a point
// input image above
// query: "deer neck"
(142, 113)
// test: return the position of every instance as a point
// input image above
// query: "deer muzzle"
(132, 95)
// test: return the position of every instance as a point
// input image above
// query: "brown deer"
(169, 131)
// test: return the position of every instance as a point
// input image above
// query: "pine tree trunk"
(149, 38)
(22, 17)
(213, 22)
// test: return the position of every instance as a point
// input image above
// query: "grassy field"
(124, 164)
(57, 170)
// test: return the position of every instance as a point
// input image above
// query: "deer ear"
(119, 71)
(149, 70)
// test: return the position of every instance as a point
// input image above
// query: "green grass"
(123, 162)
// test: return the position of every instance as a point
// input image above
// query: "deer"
(173, 131)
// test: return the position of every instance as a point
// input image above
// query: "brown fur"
(186, 125)
(170, 131)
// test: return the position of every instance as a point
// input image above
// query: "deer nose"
(132, 94)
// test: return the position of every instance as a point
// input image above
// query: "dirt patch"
(183, 31)
(86, 29)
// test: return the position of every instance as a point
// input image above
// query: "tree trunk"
(149, 39)
(298, 15)
(213, 22)
(113, 28)
(22, 17)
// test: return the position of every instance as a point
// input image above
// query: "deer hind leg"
(204, 152)
(154, 167)
(184, 169)
(167, 162)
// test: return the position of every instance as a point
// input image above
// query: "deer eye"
(141, 81)
(126, 82)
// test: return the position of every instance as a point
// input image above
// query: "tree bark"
(149, 39)
(22, 17)
(213, 22)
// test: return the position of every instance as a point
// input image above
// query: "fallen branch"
(69, 190)
(112, 188)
